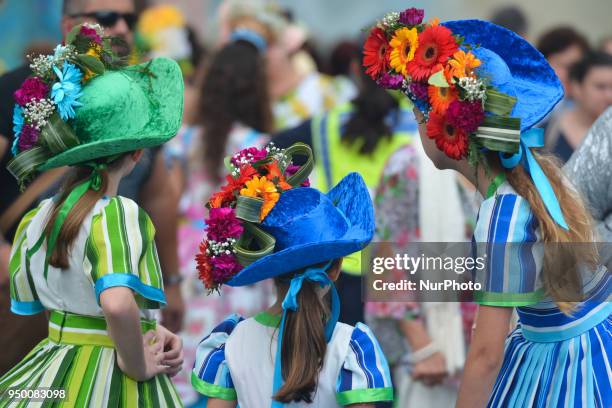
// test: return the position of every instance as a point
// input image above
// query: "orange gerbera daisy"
(375, 53)
(403, 45)
(261, 187)
(462, 64)
(451, 140)
(436, 45)
(440, 97)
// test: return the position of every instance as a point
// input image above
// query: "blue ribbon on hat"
(535, 138)
(250, 36)
(315, 274)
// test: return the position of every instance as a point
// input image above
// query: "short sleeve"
(211, 375)
(364, 376)
(507, 241)
(121, 251)
(24, 299)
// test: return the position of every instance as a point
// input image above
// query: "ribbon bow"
(315, 274)
(535, 138)
(94, 182)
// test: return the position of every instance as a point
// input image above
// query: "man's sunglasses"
(110, 18)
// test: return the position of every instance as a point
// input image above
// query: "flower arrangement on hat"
(256, 181)
(439, 74)
(47, 100)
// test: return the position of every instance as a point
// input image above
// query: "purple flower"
(222, 224)
(291, 170)
(419, 90)
(91, 33)
(28, 137)
(32, 88)
(390, 81)
(224, 267)
(411, 16)
(248, 156)
(465, 115)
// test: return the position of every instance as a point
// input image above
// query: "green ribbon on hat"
(94, 182)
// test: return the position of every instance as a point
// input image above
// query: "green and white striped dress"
(115, 247)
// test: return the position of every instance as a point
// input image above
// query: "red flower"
(451, 140)
(375, 50)
(228, 191)
(204, 267)
(436, 46)
(465, 115)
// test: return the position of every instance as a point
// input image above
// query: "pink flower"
(466, 116)
(412, 16)
(90, 33)
(248, 156)
(291, 170)
(222, 224)
(419, 90)
(224, 267)
(390, 81)
(32, 88)
(28, 137)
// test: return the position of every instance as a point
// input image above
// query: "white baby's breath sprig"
(41, 65)
(389, 20)
(475, 89)
(38, 111)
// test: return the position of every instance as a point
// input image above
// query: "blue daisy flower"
(17, 126)
(67, 91)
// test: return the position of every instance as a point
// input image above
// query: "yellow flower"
(462, 64)
(94, 51)
(403, 45)
(261, 187)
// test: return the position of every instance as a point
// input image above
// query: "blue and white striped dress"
(236, 362)
(551, 359)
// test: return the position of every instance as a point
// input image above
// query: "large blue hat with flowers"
(479, 86)
(266, 221)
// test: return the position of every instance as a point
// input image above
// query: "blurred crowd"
(278, 86)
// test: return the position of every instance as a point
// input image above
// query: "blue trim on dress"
(565, 333)
(26, 308)
(132, 282)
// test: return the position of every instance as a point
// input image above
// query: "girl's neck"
(277, 307)
(113, 183)
(480, 178)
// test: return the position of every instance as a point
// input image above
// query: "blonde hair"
(562, 263)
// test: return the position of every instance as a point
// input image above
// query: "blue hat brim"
(351, 197)
(534, 82)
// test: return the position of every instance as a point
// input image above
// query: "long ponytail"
(576, 249)
(72, 224)
(304, 344)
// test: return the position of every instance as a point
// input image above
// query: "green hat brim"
(136, 107)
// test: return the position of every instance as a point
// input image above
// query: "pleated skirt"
(575, 372)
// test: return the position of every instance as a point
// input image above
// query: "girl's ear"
(137, 155)
(334, 271)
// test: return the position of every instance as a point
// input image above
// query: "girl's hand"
(153, 356)
(172, 350)
(431, 370)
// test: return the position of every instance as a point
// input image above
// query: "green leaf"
(438, 80)
(91, 63)
(249, 208)
(71, 36)
(253, 244)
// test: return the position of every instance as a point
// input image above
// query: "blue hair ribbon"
(535, 138)
(315, 274)
(250, 36)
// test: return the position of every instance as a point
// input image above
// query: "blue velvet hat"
(311, 227)
(514, 67)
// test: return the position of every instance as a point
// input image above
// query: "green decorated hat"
(132, 108)
(83, 106)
